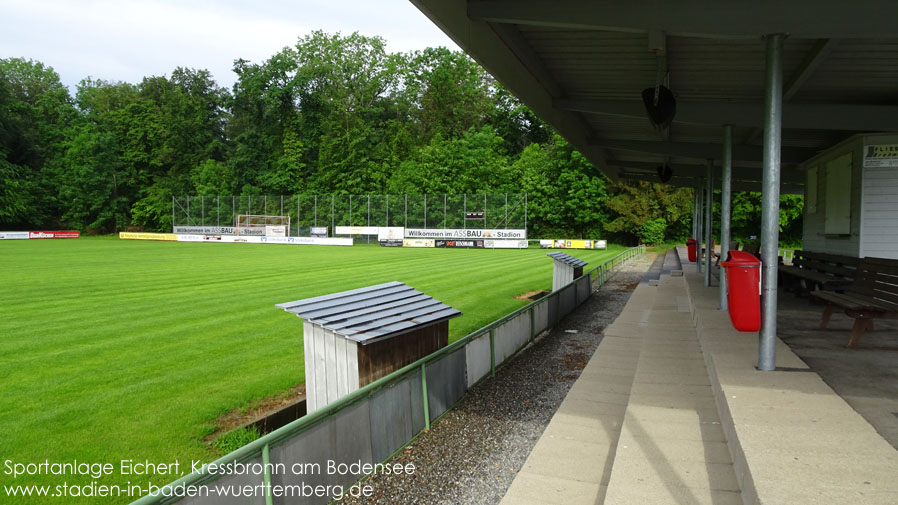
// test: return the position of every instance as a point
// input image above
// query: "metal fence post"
(492, 352)
(266, 463)
(532, 325)
(424, 392)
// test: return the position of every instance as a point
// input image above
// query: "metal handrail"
(262, 445)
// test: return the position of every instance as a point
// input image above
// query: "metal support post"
(725, 204)
(698, 224)
(709, 206)
(770, 199)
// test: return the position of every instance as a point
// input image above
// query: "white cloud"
(128, 40)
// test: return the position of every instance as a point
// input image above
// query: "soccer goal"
(269, 226)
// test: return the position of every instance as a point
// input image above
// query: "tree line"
(331, 114)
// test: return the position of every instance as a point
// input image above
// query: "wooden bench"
(820, 270)
(872, 294)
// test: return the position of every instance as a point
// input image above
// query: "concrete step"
(571, 463)
(672, 448)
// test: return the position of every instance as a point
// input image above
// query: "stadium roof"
(373, 313)
(581, 67)
(567, 259)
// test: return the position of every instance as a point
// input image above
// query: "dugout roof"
(581, 67)
(567, 259)
(373, 313)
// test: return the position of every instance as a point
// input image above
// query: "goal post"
(256, 224)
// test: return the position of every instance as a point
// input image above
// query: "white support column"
(770, 200)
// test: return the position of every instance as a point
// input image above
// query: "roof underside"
(567, 259)
(581, 66)
(372, 313)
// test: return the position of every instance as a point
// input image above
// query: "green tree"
(565, 196)
(36, 114)
(634, 205)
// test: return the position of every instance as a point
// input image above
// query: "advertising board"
(356, 230)
(53, 234)
(470, 233)
(391, 233)
(505, 244)
(477, 244)
(13, 235)
(417, 242)
(278, 231)
(127, 235)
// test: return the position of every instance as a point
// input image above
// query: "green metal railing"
(262, 446)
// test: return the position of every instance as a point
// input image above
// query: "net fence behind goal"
(256, 224)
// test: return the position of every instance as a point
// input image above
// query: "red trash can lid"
(741, 259)
(690, 241)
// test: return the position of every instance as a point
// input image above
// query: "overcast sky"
(126, 40)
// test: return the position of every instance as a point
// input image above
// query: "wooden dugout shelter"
(760, 88)
(355, 337)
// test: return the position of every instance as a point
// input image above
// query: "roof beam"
(701, 151)
(815, 56)
(815, 19)
(790, 175)
(802, 116)
(689, 182)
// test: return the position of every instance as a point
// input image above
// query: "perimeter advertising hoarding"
(392, 233)
(13, 235)
(318, 231)
(218, 230)
(127, 235)
(53, 234)
(417, 242)
(265, 240)
(471, 233)
(356, 230)
(478, 244)
(573, 244)
(505, 244)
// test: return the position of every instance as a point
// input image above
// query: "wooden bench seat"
(812, 271)
(872, 294)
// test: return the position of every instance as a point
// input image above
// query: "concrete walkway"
(670, 410)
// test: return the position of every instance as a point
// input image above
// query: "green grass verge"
(116, 350)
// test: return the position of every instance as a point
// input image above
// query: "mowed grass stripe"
(118, 349)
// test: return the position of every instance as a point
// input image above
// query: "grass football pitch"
(113, 350)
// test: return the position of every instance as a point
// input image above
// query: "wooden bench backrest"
(842, 266)
(878, 278)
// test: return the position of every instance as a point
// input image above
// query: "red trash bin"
(743, 272)
(690, 246)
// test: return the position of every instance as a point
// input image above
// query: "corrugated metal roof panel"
(372, 313)
(567, 258)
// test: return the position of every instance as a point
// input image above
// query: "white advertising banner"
(601, 244)
(13, 235)
(265, 240)
(392, 233)
(356, 230)
(307, 240)
(470, 233)
(275, 231)
(505, 244)
(417, 242)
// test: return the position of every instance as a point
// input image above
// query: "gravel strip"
(472, 454)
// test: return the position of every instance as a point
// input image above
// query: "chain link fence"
(435, 211)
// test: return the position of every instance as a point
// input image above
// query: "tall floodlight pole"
(709, 206)
(725, 204)
(770, 200)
